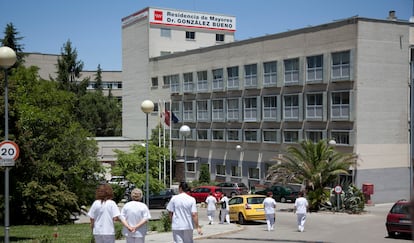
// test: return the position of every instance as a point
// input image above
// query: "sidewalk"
(208, 230)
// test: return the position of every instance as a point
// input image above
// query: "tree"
(204, 174)
(69, 70)
(132, 165)
(317, 165)
(11, 40)
(57, 170)
(98, 79)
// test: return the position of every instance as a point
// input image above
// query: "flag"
(170, 116)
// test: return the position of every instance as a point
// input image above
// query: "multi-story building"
(247, 101)
(111, 80)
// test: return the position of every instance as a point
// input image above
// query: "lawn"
(71, 233)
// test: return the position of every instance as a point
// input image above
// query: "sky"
(94, 26)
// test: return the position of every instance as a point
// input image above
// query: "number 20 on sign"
(9, 150)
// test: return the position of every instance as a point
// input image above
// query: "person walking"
(184, 216)
(102, 214)
(211, 207)
(134, 217)
(301, 208)
(269, 204)
(224, 210)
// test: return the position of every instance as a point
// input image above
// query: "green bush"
(165, 221)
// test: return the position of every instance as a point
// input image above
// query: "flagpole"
(159, 137)
(165, 169)
(170, 147)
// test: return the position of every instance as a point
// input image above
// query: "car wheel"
(282, 200)
(241, 219)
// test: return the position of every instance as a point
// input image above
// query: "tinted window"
(255, 200)
(400, 209)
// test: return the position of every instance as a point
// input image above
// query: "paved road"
(320, 227)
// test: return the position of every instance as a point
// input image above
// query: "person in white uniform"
(134, 217)
(184, 216)
(301, 208)
(269, 204)
(224, 210)
(211, 207)
(102, 214)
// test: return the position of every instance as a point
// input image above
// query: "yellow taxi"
(244, 208)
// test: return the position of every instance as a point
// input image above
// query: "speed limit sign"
(9, 150)
(338, 189)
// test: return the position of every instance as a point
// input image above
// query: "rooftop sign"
(191, 19)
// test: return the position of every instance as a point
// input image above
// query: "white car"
(118, 180)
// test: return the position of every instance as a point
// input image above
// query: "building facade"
(247, 101)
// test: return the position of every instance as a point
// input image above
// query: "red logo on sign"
(158, 15)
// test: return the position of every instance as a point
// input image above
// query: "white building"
(347, 80)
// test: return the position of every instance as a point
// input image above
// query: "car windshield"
(400, 209)
(255, 200)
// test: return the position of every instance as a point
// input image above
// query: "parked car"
(281, 193)
(201, 193)
(399, 219)
(232, 188)
(248, 207)
(161, 199)
(119, 180)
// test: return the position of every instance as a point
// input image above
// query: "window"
(270, 136)
(340, 105)
(188, 82)
(191, 166)
(233, 134)
(218, 135)
(173, 81)
(341, 65)
(233, 77)
(291, 108)
(290, 136)
(202, 82)
(291, 71)
(232, 109)
(250, 109)
(188, 111)
(250, 135)
(165, 32)
(202, 110)
(314, 68)
(254, 173)
(220, 169)
(314, 106)
(219, 37)
(235, 171)
(190, 35)
(175, 133)
(218, 79)
(217, 110)
(154, 81)
(250, 76)
(269, 107)
(164, 53)
(340, 137)
(270, 73)
(314, 136)
(202, 134)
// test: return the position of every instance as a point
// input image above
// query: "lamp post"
(333, 144)
(185, 132)
(239, 148)
(7, 59)
(147, 107)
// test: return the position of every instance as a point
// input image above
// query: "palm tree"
(317, 165)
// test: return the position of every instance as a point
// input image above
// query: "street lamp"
(147, 107)
(239, 148)
(7, 59)
(185, 132)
